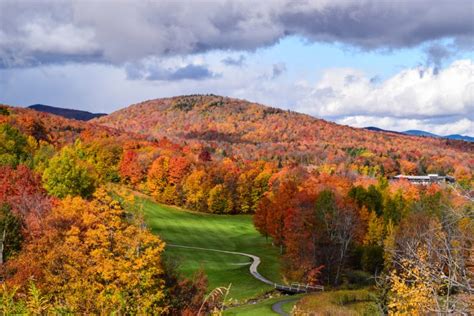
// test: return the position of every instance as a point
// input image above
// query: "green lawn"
(224, 232)
(262, 308)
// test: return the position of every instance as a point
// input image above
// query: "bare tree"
(447, 246)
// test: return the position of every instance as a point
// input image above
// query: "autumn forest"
(322, 197)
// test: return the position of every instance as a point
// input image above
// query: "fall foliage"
(318, 191)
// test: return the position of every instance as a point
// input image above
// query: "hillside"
(237, 128)
(61, 131)
(66, 113)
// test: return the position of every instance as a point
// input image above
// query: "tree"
(178, 169)
(42, 156)
(410, 292)
(428, 263)
(104, 155)
(13, 146)
(219, 200)
(131, 170)
(22, 192)
(93, 261)
(338, 222)
(195, 190)
(157, 179)
(260, 218)
(10, 233)
(67, 175)
(283, 201)
(259, 187)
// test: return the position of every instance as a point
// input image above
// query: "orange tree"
(89, 260)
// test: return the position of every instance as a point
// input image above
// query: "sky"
(397, 65)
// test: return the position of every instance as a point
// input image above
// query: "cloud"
(436, 53)
(419, 93)
(230, 61)
(38, 32)
(158, 72)
(441, 103)
(278, 69)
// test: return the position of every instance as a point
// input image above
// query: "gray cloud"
(436, 54)
(158, 72)
(278, 69)
(230, 61)
(33, 33)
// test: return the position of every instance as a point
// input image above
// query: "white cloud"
(412, 93)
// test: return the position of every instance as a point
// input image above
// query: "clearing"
(224, 232)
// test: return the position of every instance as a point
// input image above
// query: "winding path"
(253, 267)
(278, 306)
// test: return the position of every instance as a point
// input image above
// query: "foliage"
(342, 302)
(21, 191)
(67, 174)
(13, 146)
(219, 200)
(131, 169)
(93, 261)
(4, 111)
(254, 132)
(10, 233)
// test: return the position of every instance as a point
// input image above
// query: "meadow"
(177, 226)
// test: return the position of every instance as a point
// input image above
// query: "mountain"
(230, 127)
(460, 137)
(416, 132)
(67, 113)
(427, 134)
(377, 129)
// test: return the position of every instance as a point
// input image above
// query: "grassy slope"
(340, 302)
(233, 233)
(262, 308)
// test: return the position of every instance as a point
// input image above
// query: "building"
(428, 179)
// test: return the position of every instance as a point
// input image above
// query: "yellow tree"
(411, 290)
(91, 261)
(195, 190)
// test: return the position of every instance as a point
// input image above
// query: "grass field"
(224, 232)
(340, 302)
(262, 308)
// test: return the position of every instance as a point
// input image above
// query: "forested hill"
(67, 113)
(237, 128)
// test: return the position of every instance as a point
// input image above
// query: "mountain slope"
(460, 137)
(67, 113)
(233, 127)
(415, 132)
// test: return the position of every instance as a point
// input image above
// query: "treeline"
(224, 187)
(412, 242)
(67, 246)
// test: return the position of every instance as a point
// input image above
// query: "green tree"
(13, 146)
(42, 156)
(69, 175)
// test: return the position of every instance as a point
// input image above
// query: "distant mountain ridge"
(67, 113)
(416, 132)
